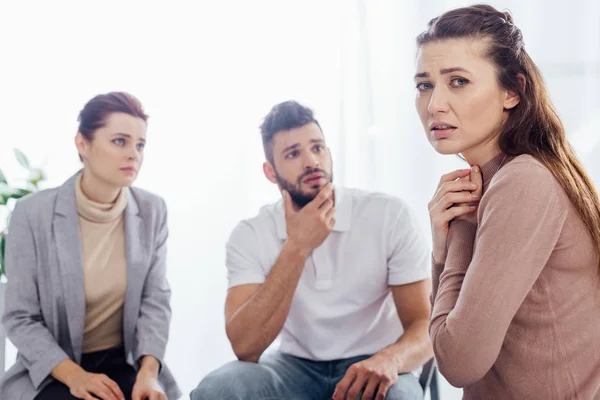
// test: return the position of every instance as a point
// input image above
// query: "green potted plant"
(8, 195)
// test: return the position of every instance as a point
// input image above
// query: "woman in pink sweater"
(516, 238)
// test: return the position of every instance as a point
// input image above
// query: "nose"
(438, 102)
(310, 160)
(133, 154)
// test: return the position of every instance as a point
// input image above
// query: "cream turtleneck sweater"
(104, 269)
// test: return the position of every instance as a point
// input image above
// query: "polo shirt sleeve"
(242, 257)
(408, 251)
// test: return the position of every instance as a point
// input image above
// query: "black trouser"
(110, 362)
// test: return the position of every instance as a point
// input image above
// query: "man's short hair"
(282, 117)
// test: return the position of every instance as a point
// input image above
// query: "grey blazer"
(44, 314)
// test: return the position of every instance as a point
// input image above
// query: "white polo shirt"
(343, 305)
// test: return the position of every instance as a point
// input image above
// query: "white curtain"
(208, 71)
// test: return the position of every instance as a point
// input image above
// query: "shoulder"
(376, 202)
(247, 229)
(527, 168)
(148, 202)
(37, 204)
(525, 180)
(264, 221)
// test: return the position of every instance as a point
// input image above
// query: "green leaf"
(8, 192)
(2, 248)
(2, 178)
(36, 176)
(22, 159)
(3, 200)
(21, 193)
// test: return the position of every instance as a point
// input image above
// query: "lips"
(129, 170)
(313, 178)
(440, 126)
(441, 130)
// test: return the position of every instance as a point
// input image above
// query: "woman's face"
(460, 103)
(116, 153)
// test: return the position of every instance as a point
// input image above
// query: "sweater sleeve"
(489, 272)
(436, 271)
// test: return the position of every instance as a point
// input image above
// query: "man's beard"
(298, 196)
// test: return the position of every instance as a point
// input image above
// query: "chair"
(428, 380)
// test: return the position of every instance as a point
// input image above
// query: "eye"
(141, 146)
(119, 141)
(424, 86)
(292, 154)
(459, 82)
(318, 148)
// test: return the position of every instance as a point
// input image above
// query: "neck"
(490, 168)
(97, 190)
(482, 155)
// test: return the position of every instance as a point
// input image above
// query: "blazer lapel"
(137, 245)
(68, 243)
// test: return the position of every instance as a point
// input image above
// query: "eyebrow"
(294, 146)
(127, 135)
(443, 71)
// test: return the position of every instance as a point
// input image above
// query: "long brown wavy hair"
(533, 126)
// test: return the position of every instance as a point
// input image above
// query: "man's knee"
(406, 388)
(235, 380)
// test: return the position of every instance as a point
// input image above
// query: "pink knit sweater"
(516, 307)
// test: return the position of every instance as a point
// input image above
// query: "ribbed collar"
(98, 212)
(489, 169)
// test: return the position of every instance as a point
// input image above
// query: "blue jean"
(279, 376)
